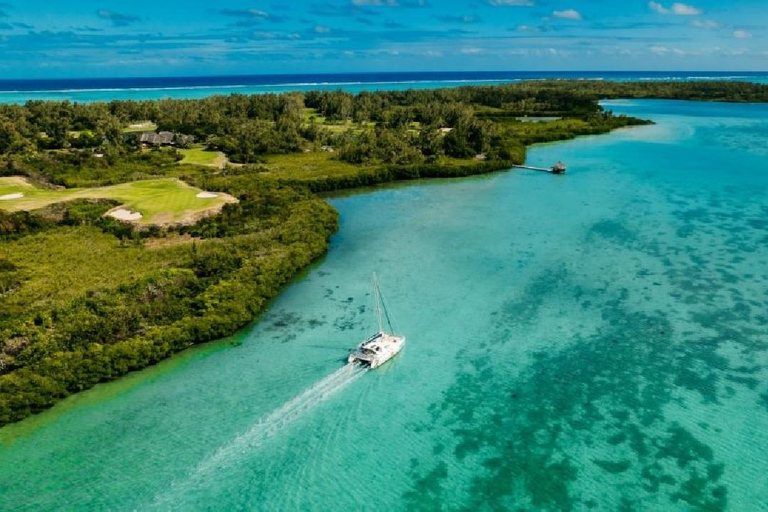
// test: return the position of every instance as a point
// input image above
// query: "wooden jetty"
(558, 168)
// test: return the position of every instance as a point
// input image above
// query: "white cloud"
(664, 50)
(685, 10)
(515, 3)
(677, 8)
(320, 29)
(568, 14)
(471, 51)
(374, 2)
(527, 28)
(742, 34)
(257, 13)
(708, 24)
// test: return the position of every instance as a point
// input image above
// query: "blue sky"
(109, 38)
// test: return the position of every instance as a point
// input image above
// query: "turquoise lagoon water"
(590, 341)
(108, 89)
(198, 92)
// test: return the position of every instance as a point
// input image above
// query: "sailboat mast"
(381, 306)
(377, 302)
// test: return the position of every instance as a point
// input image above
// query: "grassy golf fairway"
(199, 156)
(159, 201)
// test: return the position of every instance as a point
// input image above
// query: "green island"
(224, 202)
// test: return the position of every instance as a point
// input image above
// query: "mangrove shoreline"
(117, 298)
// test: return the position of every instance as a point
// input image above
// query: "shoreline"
(299, 239)
(134, 377)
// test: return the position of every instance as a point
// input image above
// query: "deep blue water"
(106, 89)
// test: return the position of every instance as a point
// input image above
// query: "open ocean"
(107, 89)
(593, 341)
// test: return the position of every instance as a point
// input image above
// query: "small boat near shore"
(383, 345)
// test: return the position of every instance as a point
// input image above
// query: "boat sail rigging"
(380, 306)
(384, 345)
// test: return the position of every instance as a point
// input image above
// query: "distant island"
(133, 230)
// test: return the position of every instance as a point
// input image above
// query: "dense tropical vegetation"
(85, 298)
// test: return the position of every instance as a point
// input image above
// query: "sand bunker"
(123, 214)
(8, 197)
(207, 195)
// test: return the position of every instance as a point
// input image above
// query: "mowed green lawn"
(146, 126)
(199, 156)
(160, 201)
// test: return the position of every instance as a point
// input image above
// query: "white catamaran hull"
(377, 350)
(382, 346)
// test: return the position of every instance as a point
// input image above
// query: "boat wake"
(285, 414)
(271, 424)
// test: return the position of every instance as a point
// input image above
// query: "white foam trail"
(284, 415)
(268, 426)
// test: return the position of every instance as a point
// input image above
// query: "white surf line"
(270, 425)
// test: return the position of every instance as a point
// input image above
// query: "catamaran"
(382, 346)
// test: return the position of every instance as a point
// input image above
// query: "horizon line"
(364, 73)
